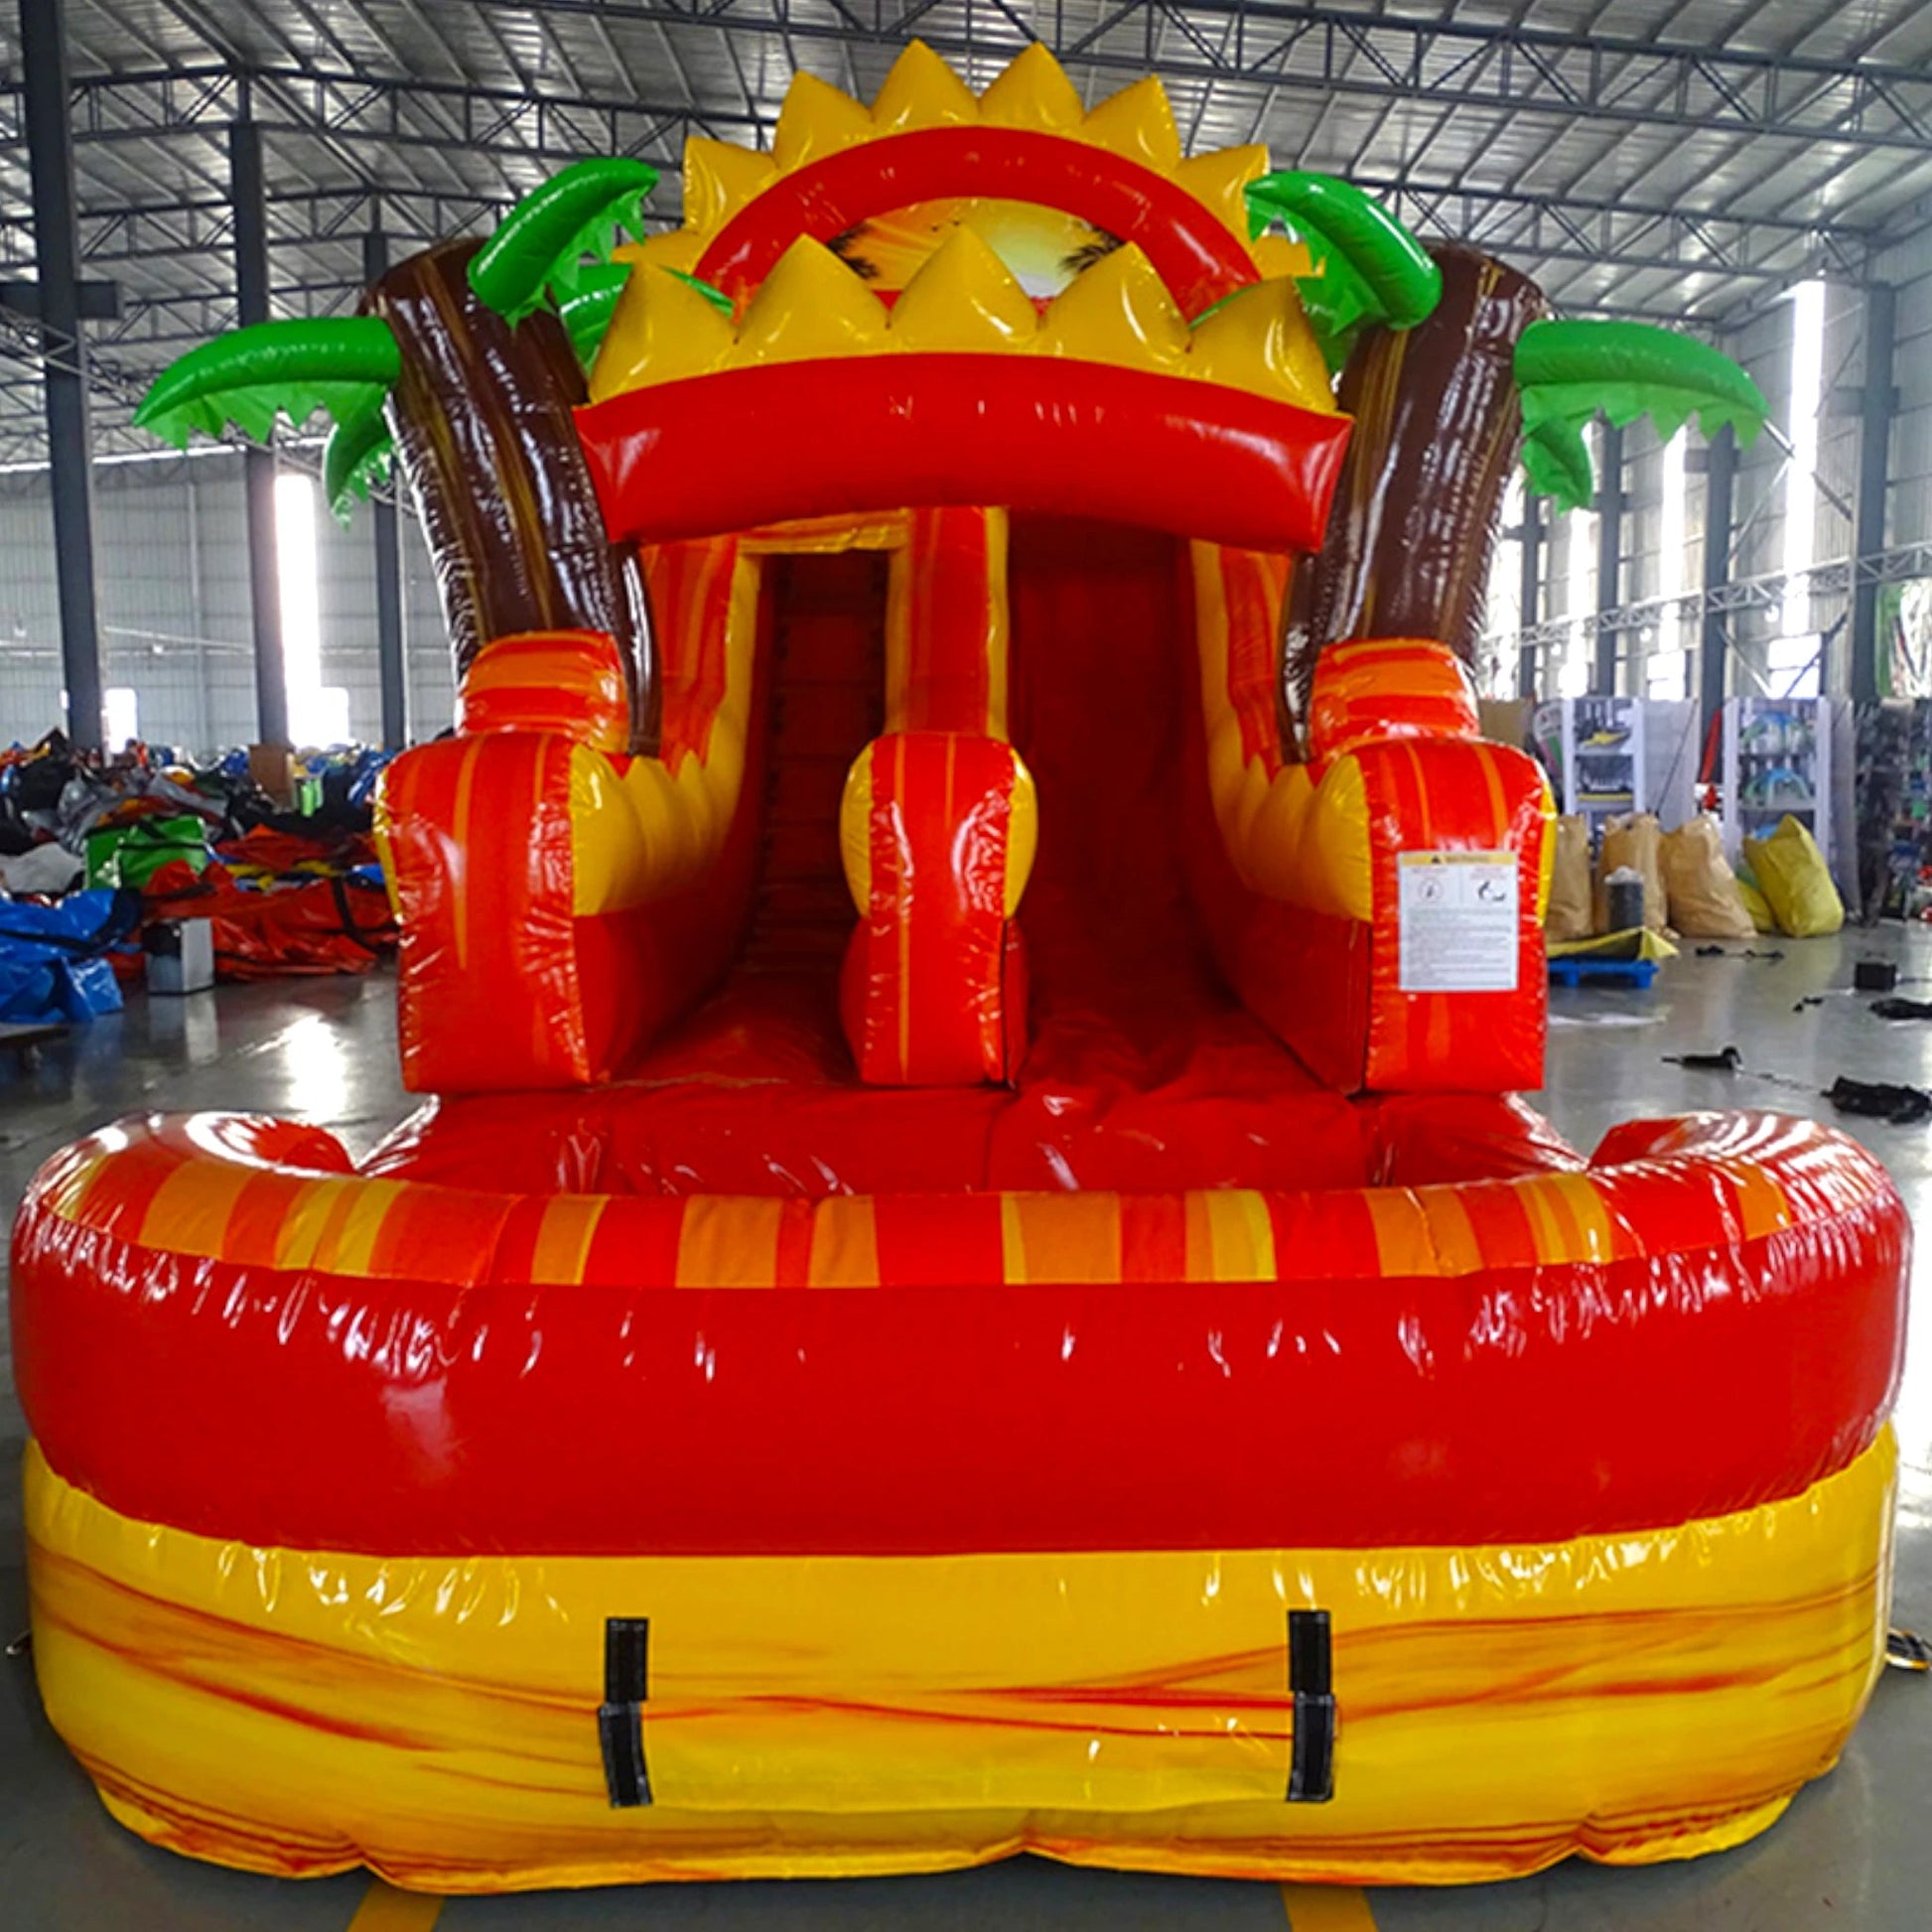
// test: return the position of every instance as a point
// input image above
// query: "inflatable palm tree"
(468, 359)
(462, 363)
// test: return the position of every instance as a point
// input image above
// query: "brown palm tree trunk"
(482, 418)
(1436, 429)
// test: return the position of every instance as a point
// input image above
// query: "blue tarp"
(53, 958)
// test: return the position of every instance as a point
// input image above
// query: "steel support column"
(259, 465)
(63, 369)
(1610, 551)
(387, 534)
(1875, 480)
(1719, 477)
(1528, 667)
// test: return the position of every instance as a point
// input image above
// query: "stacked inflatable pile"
(290, 890)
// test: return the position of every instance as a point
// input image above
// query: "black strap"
(621, 1717)
(1312, 1756)
(371, 942)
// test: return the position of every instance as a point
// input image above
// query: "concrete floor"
(1853, 1851)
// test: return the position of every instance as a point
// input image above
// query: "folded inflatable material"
(53, 958)
(334, 925)
(1633, 942)
(47, 867)
(131, 853)
(1796, 883)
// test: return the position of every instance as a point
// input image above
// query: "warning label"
(1456, 914)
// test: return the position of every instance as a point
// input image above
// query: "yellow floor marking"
(1328, 1908)
(385, 1910)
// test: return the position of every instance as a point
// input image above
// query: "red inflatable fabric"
(318, 926)
(1038, 433)
(534, 1377)
(1196, 255)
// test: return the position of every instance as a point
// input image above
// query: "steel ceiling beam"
(1242, 45)
(1329, 50)
(137, 232)
(503, 127)
(489, 141)
(1674, 239)
(470, 117)
(1512, 224)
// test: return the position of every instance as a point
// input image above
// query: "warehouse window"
(1668, 673)
(121, 711)
(1580, 592)
(1793, 658)
(318, 713)
(1503, 600)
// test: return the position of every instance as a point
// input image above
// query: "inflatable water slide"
(970, 1277)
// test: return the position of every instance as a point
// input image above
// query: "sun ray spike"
(1138, 123)
(1033, 92)
(811, 304)
(661, 328)
(719, 179)
(674, 248)
(1260, 341)
(963, 297)
(923, 91)
(1117, 311)
(1219, 181)
(817, 119)
(1275, 256)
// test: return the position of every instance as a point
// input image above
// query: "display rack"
(1598, 745)
(1777, 761)
(1894, 809)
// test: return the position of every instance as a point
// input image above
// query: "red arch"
(1191, 249)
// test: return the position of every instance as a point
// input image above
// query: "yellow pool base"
(1626, 1698)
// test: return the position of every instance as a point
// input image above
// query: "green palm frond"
(588, 310)
(1368, 267)
(1556, 460)
(539, 248)
(1566, 371)
(586, 314)
(250, 377)
(356, 458)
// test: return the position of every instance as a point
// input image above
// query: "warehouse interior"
(1716, 653)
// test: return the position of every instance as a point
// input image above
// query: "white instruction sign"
(1457, 917)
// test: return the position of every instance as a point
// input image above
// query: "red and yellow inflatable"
(974, 1281)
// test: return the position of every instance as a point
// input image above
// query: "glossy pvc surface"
(482, 421)
(1197, 256)
(1408, 549)
(557, 681)
(1035, 433)
(188, 1327)
(938, 1198)
(1648, 1696)
(1295, 863)
(937, 834)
